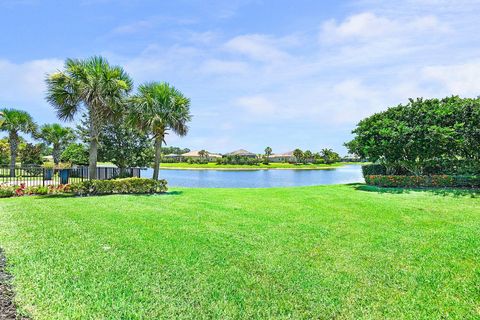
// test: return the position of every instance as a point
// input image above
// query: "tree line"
(423, 136)
(111, 115)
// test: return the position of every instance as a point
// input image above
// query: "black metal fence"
(38, 176)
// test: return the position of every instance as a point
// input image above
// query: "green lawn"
(213, 165)
(311, 252)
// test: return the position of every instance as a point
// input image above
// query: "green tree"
(124, 145)
(298, 154)
(75, 153)
(57, 137)
(203, 154)
(95, 85)
(156, 109)
(31, 154)
(14, 123)
(308, 155)
(4, 151)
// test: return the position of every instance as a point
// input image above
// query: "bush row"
(119, 186)
(90, 187)
(434, 181)
(459, 167)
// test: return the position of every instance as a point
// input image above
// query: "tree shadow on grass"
(455, 192)
(66, 195)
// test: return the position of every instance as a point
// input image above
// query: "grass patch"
(308, 252)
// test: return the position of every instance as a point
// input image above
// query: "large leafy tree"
(93, 85)
(76, 153)
(57, 137)
(424, 132)
(156, 109)
(14, 123)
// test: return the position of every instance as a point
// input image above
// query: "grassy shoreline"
(302, 252)
(271, 166)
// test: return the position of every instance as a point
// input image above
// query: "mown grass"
(310, 252)
(213, 165)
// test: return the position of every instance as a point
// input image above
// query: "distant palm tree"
(156, 109)
(94, 85)
(203, 153)
(298, 154)
(2, 118)
(268, 152)
(56, 136)
(308, 155)
(15, 122)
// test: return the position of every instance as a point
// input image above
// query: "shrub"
(119, 186)
(435, 181)
(7, 191)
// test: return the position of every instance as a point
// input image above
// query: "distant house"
(242, 153)
(282, 157)
(195, 155)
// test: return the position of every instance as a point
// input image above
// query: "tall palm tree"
(16, 122)
(156, 109)
(268, 152)
(56, 136)
(298, 154)
(93, 85)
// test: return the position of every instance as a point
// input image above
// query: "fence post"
(43, 177)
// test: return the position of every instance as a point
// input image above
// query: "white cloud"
(25, 82)
(460, 79)
(368, 26)
(257, 47)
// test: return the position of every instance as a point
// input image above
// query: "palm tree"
(298, 154)
(15, 122)
(268, 152)
(58, 137)
(2, 118)
(203, 153)
(94, 85)
(307, 155)
(156, 109)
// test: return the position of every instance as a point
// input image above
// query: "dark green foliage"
(174, 150)
(434, 181)
(76, 153)
(421, 133)
(373, 169)
(124, 146)
(238, 160)
(31, 154)
(119, 186)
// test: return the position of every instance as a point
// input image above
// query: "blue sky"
(284, 74)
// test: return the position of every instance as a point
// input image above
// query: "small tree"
(4, 151)
(268, 152)
(298, 154)
(75, 153)
(31, 154)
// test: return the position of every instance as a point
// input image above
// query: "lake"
(258, 178)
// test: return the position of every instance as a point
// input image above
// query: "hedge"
(90, 187)
(434, 181)
(119, 186)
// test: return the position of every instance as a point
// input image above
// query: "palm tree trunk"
(56, 153)
(13, 140)
(92, 155)
(158, 150)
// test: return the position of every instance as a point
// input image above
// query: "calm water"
(258, 178)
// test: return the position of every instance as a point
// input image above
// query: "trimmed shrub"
(434, 181)
(119, 186)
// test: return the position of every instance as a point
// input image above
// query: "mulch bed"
(8, 311)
